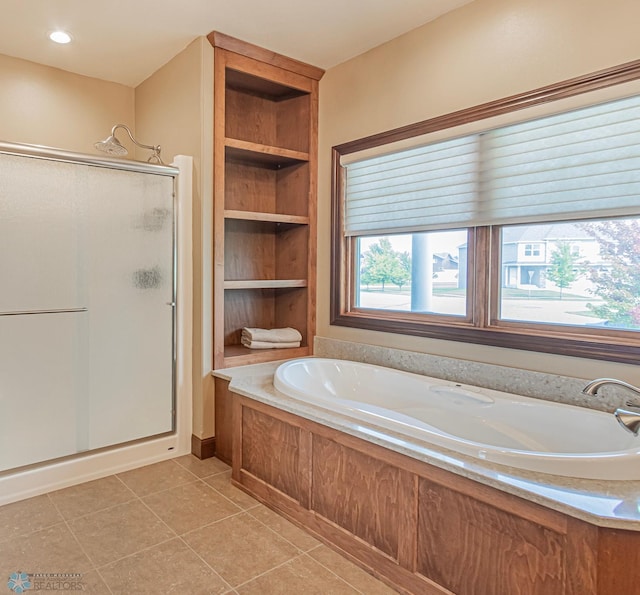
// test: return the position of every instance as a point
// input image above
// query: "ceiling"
(125, 41)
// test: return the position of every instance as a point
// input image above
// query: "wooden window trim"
(486, 328)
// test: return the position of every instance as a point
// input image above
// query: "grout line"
(164, 489)
(300, 552)
(209, 475)
(132, 554)
(106, 584)
(207, 564)
(24, 534)
(227, 498)
(257, 576)
(117, 476)
(306, 552)
(175, 460)
(75, 537)
(239, 513)
(350, 562)
(99, 510)
(280, 534)
(158, 517)
(344, 580)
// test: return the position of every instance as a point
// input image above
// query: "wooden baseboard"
(203, 448)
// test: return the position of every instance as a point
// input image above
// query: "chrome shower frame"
(54, 154)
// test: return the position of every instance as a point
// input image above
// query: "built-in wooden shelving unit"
(265, 162)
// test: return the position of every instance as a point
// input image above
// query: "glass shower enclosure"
(87, 303)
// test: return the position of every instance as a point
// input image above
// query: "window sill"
(535, 338)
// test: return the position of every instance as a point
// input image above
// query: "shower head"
(112, 146)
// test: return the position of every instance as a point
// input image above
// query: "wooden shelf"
(266, 155)
(265, 283)
(241, 81)
(267, 217)
(239, 355)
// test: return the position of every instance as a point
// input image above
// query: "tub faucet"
(629, 419)
(593, 386)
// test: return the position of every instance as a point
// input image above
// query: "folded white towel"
(268, 344)
(274, 335)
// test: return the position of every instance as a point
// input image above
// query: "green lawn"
(507, 293)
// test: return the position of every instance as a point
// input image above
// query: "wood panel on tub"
(420, 528)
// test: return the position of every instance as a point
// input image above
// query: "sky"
(441, 241)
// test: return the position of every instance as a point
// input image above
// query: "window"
(532, 249)
(413, 273)
(524, 235)
(589, 278)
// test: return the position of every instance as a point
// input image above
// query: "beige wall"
(46, 106)
(174, 108)
(485, 50)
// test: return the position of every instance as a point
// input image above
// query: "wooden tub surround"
(420, 528)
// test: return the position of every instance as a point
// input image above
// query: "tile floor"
(174, 527)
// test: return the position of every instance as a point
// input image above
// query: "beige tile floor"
(174, 527)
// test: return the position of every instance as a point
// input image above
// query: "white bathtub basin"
(503, 428)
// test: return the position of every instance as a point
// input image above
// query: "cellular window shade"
(426, 187)
(584, 163)
(577, 164)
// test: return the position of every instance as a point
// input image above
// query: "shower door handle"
(30, 312)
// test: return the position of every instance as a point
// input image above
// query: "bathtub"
(503, 428)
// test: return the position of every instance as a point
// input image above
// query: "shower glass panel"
(86, 314)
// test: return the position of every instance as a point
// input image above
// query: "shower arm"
(154, 148)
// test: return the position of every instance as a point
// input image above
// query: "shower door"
(86, 307)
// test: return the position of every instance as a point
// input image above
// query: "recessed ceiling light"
(60, 36)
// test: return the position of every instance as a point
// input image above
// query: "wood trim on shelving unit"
(219, 141)
(265, 185)
(266, 154)
(419, 528)
(238, 355)
(220, 40)
(271, 217)
(265, 283)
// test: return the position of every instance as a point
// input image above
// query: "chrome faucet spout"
(595, 385)
(629, 419)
